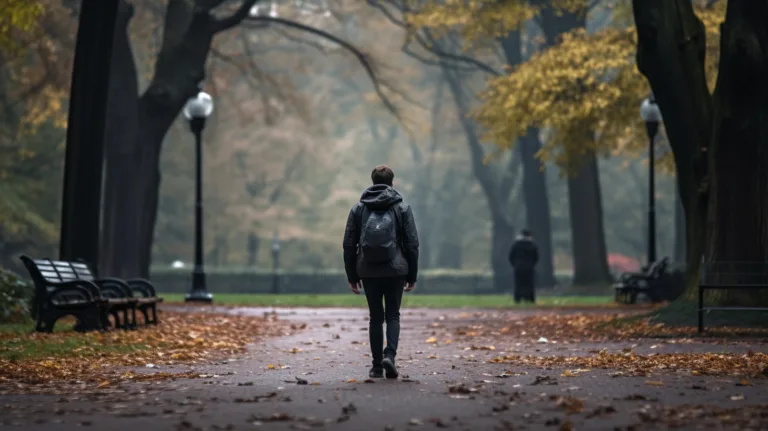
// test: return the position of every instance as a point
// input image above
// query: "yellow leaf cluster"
(585, 92)
(16, 16)
(473, 19)
(587, 84)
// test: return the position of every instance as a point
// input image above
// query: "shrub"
(15, 298)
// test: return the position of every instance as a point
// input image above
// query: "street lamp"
(651, 115)
(196, 111)
(275, 263)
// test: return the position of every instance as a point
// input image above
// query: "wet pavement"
(316, 378)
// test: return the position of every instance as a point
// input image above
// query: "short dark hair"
(525, 232)
(382, 174)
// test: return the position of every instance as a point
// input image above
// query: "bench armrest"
(114, 288)
(142, 287)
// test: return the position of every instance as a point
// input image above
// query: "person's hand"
(410, 286)
(356, 287)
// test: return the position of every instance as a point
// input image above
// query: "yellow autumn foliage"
(16, 16)
(585, 92)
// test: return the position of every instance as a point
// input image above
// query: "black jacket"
(524, 254)
(406, 262)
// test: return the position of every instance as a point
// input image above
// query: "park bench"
(745, 276)
(115, 293)
(140, 289)
(55, 298)
(630, 284)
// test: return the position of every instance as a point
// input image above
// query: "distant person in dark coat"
(523, 257)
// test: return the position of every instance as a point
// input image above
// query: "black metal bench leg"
(154, 314)
(146, 316)
(126, 319)
(701, 310)
(134, 325)
(46, 324)
(90, 320)
(119, 324)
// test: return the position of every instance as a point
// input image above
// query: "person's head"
(382, 174)
(526, 233)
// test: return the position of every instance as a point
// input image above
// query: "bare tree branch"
(236, 18)
(429, 47)
(361, 57)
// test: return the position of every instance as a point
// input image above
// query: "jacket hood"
(380, 197)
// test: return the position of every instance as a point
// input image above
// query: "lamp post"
(275, 263)
(196, 111)
(651, 115)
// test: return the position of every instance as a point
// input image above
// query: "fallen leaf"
(654, 383)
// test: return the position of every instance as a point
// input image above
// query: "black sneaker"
(389, 366)
(376, 372)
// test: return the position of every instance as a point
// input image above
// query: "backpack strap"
(398, 225)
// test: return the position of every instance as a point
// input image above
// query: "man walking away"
(381, 253)
(523, 256)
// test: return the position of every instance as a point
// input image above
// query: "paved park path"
(443, 385)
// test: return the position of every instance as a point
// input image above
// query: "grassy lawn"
(19, 341)
(427, 301)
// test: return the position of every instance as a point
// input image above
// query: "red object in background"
(621, 263)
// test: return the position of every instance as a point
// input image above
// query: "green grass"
(427, 301)
(18, 343)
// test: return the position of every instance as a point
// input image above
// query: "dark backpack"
(378, 235)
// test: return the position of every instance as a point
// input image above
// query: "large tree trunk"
(535, 193)
(423, 191)
(496, 187)
(502, 237)
(119, 251)
(134, 189)
(675, 72)
(590, 263)
(680, 252)
(537, 213)
(738, 206)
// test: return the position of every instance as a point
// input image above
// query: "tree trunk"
(502, 237)
(537, 213)
(675, 72)
(138, 135)
(119, 246)
(739, 149)
(680, 252)
(496, 191)
(423, 192)
(590, 263)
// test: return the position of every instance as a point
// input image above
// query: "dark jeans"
(390, 290)
(524, 285)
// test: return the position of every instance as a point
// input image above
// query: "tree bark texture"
(737, 220)
(590, 258)
(82, 191)
(139, 124)
(719, 141)
(590, 263)
(495, 186)
(537, 209)
(535, 192)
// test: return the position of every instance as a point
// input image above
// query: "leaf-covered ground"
(501, 370)
(100, 359)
